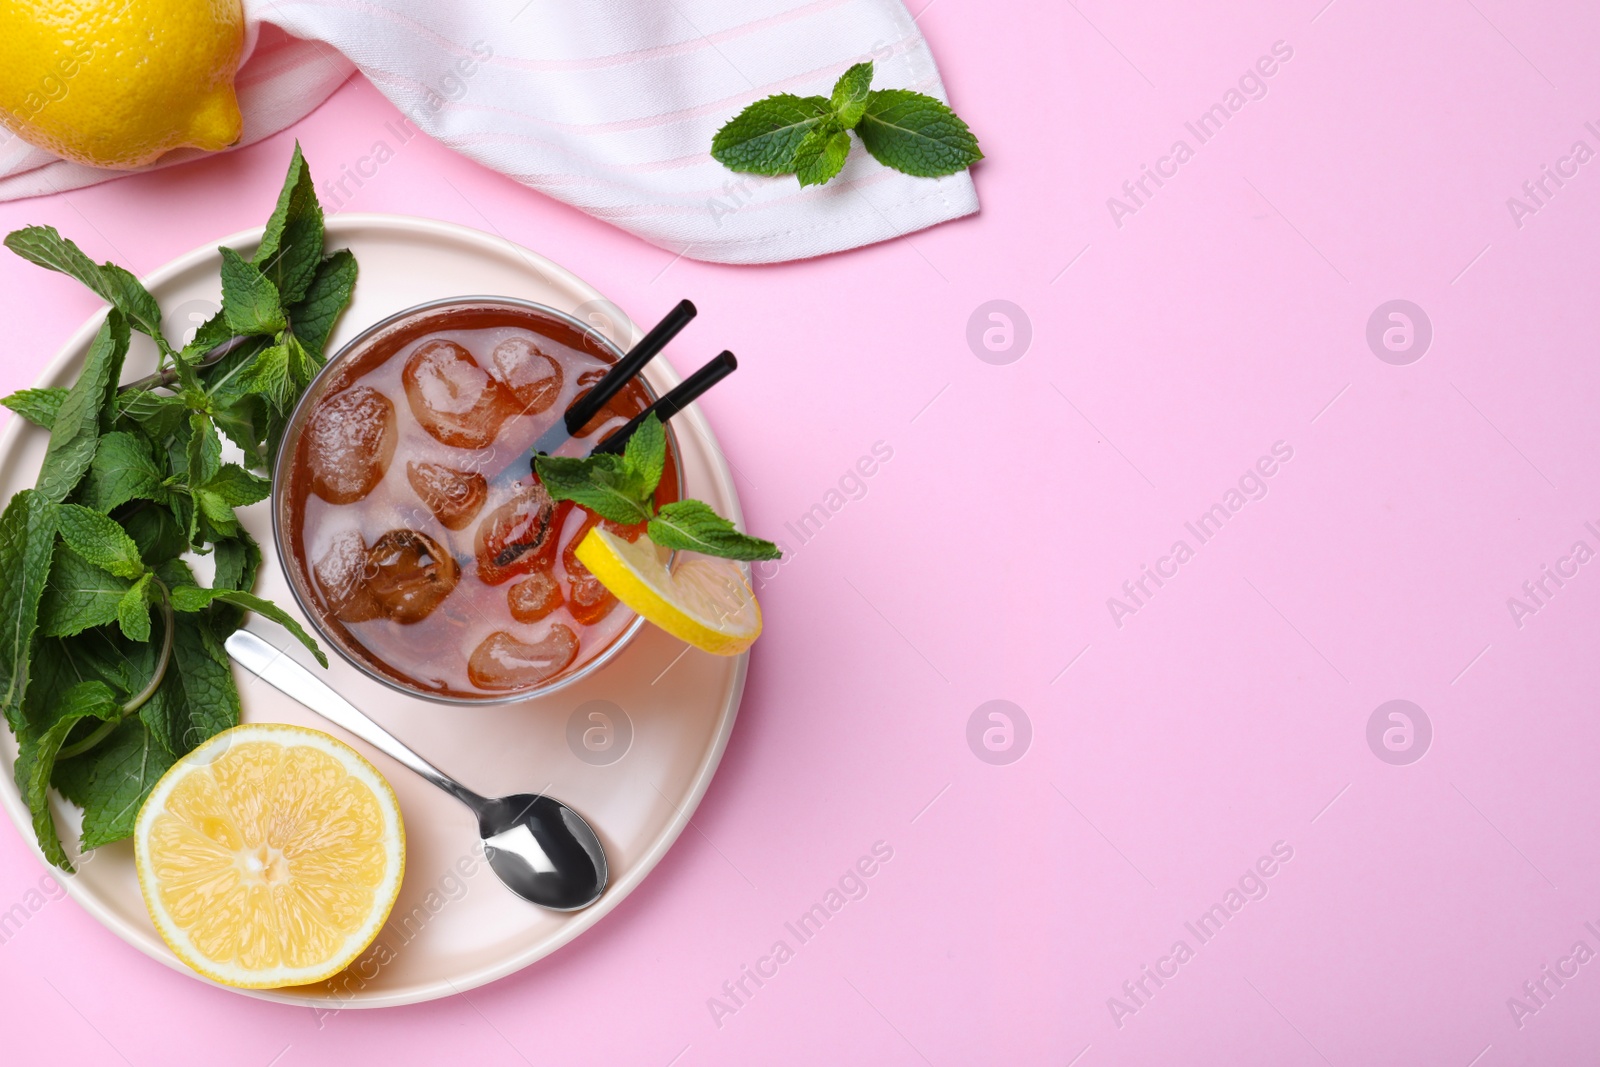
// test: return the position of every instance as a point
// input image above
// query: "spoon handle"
(284, 674)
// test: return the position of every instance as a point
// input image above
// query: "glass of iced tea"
(410, 524)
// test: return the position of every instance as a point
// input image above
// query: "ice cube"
(408, 574)
(587, 600)
(534, 597)
(502, 662)
(454, 497)
(349, 443)
(453, 398)
(531, 375)
(518, 536)
(342, 575)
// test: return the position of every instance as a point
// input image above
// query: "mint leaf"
(27, 539)
(122, 470)
(77, 424)
(195, 598)
(213, 332)
(236, 409)
(849, 100)
(79, 595)
(303, 366)
(44, 246)
(158, 415)
(916, 134)
(268, 375)
(217, 511)
(291, 247)
(212, 487)
(204, 450)
(59, 664)
(38, 406)
(821, 155)
(197, 699)
(312, 318)
(693, 525)
(237, 486)
(133, 611)
(763, 137)
(159, 532)
(175, 573)
(645, 454)
(222, 381)
(192, 598)
(99, 540)
(248, 298)
(111, 781)
(237, 560)
(36, 759)
(606, 484)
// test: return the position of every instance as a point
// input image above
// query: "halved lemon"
(706, 601)
(270, 856)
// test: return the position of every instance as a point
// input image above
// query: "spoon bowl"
(543, 850)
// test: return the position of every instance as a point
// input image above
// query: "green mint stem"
(162, 661)
(138, 700)
(101, 732)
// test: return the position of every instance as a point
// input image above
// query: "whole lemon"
(117, 83)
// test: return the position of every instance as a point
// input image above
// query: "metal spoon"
(541, 849)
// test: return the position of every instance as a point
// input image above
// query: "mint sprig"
(809, 136)
(622, 488)
(112, 665)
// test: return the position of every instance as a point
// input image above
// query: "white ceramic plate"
(663, 731)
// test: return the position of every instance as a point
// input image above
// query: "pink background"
(1226, 314)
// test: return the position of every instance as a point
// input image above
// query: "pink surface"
(1228, 716)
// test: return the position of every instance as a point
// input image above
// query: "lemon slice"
(706, 601)
(270, 856)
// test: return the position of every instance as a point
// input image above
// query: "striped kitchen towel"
(607, 105)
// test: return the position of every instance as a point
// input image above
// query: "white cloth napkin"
(607, 105)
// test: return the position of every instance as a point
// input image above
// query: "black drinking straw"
(675, 401)
(625, 368)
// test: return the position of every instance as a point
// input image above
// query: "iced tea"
(413, 527)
